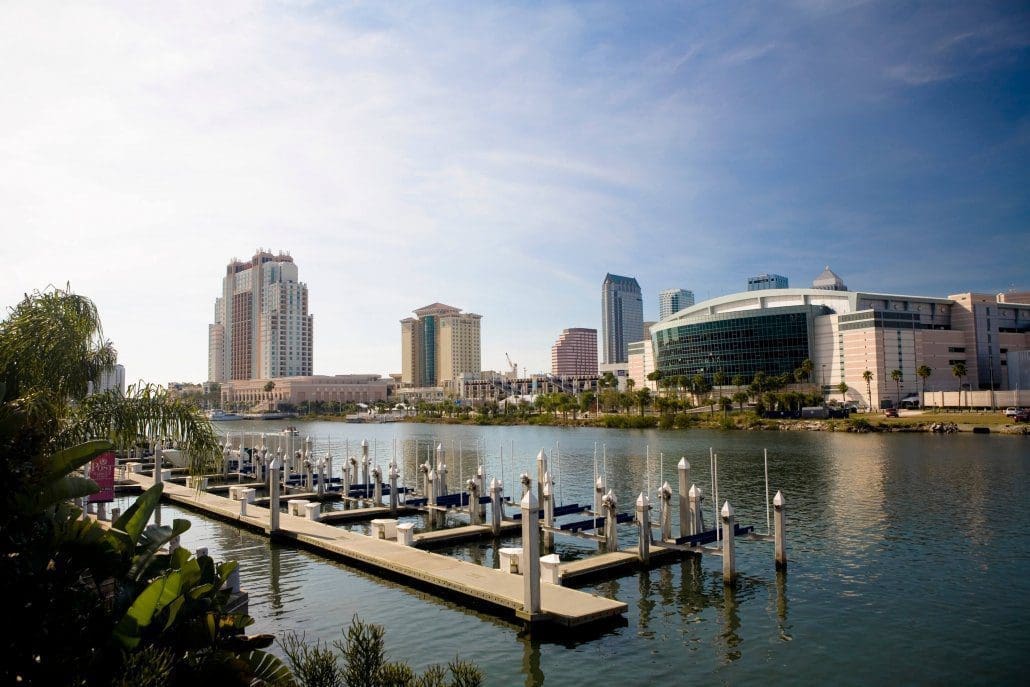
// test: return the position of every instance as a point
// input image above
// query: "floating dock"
(500, 591)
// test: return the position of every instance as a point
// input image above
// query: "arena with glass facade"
(773, 341)
(846, 334)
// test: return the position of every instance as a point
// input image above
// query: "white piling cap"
(666, 490)
(727, 510)
(694, 491)
(683, 464)
(432, 475)
(547, 488)
(364, 443)
(439, 448)
(642, 500)
(394, 472)
(307, 440)
(600, 482)
(274, 465)
(529, 501)
(778, 500)
(493, 483)
(541, 456)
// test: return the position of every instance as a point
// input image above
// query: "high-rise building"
(829, 281)
(575, 353)
(438, 345)
(262, 328)
(622, 316)
(673, 300)
(767, 281)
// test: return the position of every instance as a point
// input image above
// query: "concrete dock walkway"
(501, 592)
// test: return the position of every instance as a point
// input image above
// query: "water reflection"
(275, 596)
(781, 605)
(531, 670)
(730, 636)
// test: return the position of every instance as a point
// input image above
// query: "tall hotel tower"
(673, 300)
(622, 317)
(262, 328)
(438, 345)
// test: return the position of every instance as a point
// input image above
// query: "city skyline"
(504, 158)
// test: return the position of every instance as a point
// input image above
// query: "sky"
(502, 158)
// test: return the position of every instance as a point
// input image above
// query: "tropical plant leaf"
(135, 518)
(267, 669)
(158, 594)
(224, 570)
(154, 537)
(65, 488)
(66, 461)
(173, 610)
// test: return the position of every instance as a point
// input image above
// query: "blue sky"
(502, 158)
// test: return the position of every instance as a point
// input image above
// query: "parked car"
(1022, 416)
(910, 402)
(1012, 412)
(891, 412)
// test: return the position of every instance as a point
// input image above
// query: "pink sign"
(101, 471)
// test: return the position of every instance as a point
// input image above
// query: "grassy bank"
(924, 422)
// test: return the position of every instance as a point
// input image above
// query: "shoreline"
(861, 424)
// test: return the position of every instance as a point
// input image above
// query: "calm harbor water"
(909, 561)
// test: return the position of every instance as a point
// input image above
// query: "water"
(909, 561)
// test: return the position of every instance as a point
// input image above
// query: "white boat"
(219, 415)
(290, 431)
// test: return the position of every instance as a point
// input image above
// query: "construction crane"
(514, 367)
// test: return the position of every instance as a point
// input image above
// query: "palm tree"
(806, 368)
(738, 380)
(741, 398)
(269, 388)
(959, 370)
(719, 378)
(868, 377)
(923, 371)
(896, 376)
(843, 389)
(643, 399)
(656, 377)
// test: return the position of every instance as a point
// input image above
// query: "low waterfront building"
(496, 387)
(352, 388)
(844, 334)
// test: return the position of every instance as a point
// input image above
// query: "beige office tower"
(438, 345)
(262, 328)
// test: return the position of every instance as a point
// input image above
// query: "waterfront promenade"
(500, 592)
